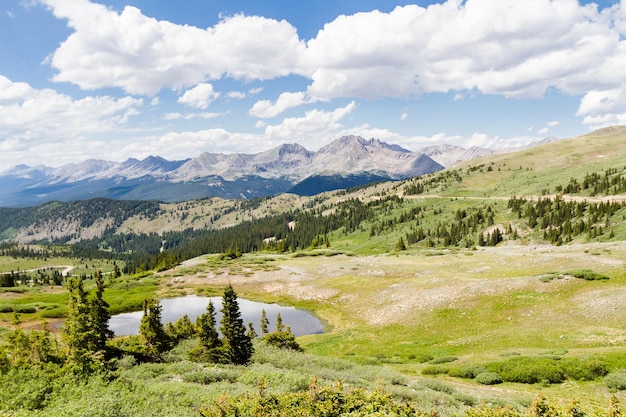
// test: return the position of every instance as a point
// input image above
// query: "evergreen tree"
(100, 316)
(205, 327)
(238, 347)
(251, 332)
(116, 272)
(400, 246)
(264, 323)
(279, 324)
(151, 329)
(78, 333)
(281, 338)
(182, 329)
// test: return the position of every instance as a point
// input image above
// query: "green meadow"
(446, 296)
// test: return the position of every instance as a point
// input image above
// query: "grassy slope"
(543, 167)
(479, 305)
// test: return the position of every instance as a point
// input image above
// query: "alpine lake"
(301, 322)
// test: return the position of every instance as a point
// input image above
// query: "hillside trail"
(575, 198)
(66, 269)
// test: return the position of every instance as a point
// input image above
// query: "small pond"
(300, 321)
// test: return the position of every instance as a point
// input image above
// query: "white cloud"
(315, 123)
(189, 116)
(265, 108)
(404, 116)
(199, 97)
(33, 114)
(236, 94)
(142, 55)
(554, 123)
(43, 124)
(505, 47)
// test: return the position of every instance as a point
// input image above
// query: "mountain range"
(346, 162)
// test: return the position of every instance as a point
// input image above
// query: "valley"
(491, 281)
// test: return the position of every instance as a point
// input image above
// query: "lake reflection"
(301, 322)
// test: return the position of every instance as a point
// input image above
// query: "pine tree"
(205, 326)
(210, 347)
(264, 323)
(280, 327)
(281, 338)
(182, 329)
(100, 316)
(78, 333)
(238, 347)
(151, 329)
(251, 332)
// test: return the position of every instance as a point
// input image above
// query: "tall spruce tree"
(151, 328)
(238, 347)
(100, 316)
(77, 332)
(210, 347)
(264, 323)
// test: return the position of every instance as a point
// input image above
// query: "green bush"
(616, 381)
(528, 370)
(467, 371)
(210, 376)
(488, 378)
(280, 380)
(439, 387)
(586, 369)
(435, 370)
(325, 401)
(587, 275)
(421, 358)
(443, 359)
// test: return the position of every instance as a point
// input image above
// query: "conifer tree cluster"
(235, 345)
(561, 221)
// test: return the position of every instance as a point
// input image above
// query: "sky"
(116, 79)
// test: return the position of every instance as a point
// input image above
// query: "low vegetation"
(465, 292)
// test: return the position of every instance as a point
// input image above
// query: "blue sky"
(130, 78)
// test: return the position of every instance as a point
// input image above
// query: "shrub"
(528, 370)
(488, 378)
(467, 371)
(484, 410)
(443, 359)
(587, 275)
(421, 358)
(435, 370)
(439, 387)
(616, 381)
(586, 369)
(210, 376)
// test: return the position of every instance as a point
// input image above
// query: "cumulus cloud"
(189, 116)
(31, 114)
(199, 97)
(507, 47)
(314, 122)
(236, 94)
(512, 48)
(267, 109)
(34, 122)
(142, 55)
